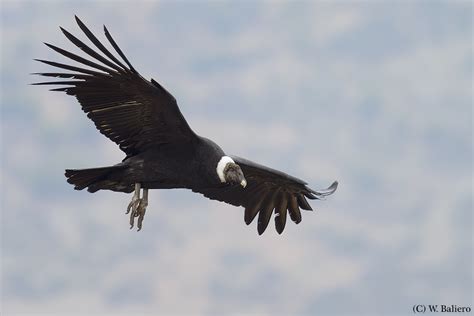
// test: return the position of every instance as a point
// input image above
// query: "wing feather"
(293, 210)
(267, 190)
(117, 48)
(280, 212)
(266, 212)
(131, 111)
(97, 43)
(73, 68)
(253, 205)
(78, 58)
(303, 203)
(89, 51)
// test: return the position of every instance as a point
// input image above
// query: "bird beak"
(243, 183)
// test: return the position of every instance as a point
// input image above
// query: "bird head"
(234, 175)
(230, 172)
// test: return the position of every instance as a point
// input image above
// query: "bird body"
(162, 151)
(166, 166)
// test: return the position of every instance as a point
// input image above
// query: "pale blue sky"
(377, 95)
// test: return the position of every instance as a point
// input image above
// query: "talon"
(132, 219)
(133, 208)
(141, 211)
(132, 205)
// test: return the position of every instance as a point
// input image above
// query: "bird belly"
(159, 172)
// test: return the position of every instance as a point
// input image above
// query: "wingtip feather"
(326, 192)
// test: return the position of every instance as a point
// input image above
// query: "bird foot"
(137, 207)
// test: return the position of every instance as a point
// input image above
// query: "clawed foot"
(137, 207)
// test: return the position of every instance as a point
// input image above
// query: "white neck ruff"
(221, 167)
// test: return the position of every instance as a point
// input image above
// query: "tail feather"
(82, 178)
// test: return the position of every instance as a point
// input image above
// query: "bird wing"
(267, 190)
(131, 111)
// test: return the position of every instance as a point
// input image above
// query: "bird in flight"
(162, 151)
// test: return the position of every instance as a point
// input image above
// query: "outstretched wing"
(131, 111)
(268, 191)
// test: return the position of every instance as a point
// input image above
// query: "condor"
(162, 151)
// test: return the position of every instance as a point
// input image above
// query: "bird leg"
(137, 206)
(135, 199)
(141, 209)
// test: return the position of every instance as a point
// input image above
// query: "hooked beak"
(243, 183)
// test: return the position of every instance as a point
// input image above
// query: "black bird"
(162, 151)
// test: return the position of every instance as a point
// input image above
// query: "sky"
(376, 95)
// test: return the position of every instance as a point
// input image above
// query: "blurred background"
(377, 95)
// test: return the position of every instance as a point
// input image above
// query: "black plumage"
(162, 151)
(267, 190)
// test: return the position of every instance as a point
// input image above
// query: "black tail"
(82, 178)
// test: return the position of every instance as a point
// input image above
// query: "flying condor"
(162, 151)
